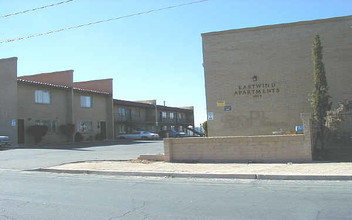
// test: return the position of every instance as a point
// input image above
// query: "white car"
(4, 140)
(139, 135)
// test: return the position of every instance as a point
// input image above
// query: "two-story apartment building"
(54, 100)
(147, 115)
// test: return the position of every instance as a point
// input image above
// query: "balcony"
(132, 119)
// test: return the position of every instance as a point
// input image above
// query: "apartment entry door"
(20, 131)
(103, 129)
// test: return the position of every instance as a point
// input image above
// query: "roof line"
(59, 86)
(274, 26)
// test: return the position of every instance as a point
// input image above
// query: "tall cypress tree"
(320, 96)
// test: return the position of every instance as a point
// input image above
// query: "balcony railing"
(131, 119)
(150, 119)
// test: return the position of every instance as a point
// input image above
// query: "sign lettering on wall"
(256, 90)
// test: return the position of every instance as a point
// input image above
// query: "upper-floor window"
(42, 97)
(179, 115)
(122, 111)
(163, 115)
(86, 101)
(172, 115)
(137, 113)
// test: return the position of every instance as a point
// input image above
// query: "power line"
(34, 9)
(101, 21)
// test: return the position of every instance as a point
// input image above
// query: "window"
(85, 126)
(180, 128)
(137, 113)
(164, 128)
(122, 129)
(42, 97)
(172, 127)
(86, 101)
(172, 115)
(122, 111)
(52, 125)
(179, 115)
(163, 115)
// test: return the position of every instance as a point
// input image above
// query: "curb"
(200, 175)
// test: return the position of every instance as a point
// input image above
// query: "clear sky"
(153, 56)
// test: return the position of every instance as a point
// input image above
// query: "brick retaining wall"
(266, 148)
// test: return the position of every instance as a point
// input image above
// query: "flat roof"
(146, 105)
(326, 20)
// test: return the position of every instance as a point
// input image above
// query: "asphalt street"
(36, 195)
(32, 158)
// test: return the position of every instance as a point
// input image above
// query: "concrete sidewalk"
(273, 171)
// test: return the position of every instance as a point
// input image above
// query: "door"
(103, 129)
(20, 131)
(128, 115)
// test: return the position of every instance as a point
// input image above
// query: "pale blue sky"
(153, 56)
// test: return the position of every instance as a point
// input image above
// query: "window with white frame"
(42, 97)
(52, 125)
(85, 126)
(173, 127)
(172, 115)
(86, 101)
(163, 115)
(164, 127)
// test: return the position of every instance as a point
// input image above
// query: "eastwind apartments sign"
(256, 90)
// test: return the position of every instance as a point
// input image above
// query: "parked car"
(139, 135)
(172, 134)
(4, 140)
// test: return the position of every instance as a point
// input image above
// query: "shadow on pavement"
(79, 145)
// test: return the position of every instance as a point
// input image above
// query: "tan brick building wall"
(258, 80)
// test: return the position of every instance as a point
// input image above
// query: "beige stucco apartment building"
(53, 99)
(258, 80)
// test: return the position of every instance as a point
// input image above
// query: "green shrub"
(68, 130)
(78, 137)
(99, 137)
(205, 128)
(38, 132)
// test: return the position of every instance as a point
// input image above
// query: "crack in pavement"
(128, 212)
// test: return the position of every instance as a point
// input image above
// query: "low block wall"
(268, 148)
